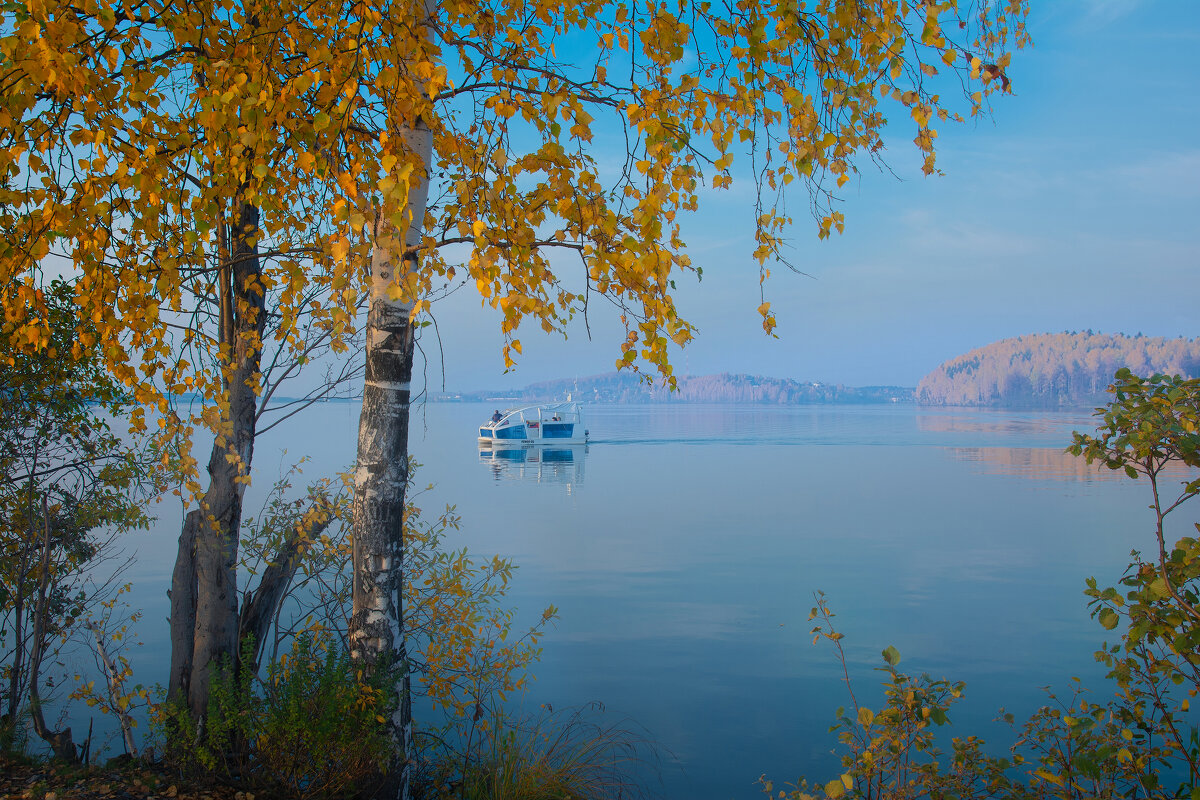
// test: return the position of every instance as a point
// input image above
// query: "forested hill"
(624, 387)
(1052, 370)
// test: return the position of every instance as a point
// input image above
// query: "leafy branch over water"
(1141, 743)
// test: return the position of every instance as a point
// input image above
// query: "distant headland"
(1053, 370)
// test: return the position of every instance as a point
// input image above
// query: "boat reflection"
(536, 463)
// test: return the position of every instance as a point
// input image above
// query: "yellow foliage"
(463, 643)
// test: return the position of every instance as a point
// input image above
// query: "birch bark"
(381, 476)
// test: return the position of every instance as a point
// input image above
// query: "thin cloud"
(1169, 175)
(1100, 13)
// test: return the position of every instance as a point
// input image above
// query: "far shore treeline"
(1045, 370)
(1054, 370)
(623, 387)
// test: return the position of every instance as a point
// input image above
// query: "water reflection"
(536, 463)
(1007, 423)
(718, 424)
(1047, 464)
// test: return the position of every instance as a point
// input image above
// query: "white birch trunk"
(381, 475)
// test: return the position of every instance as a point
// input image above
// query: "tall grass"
(547, 756)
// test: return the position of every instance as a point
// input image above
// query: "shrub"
(310, 728)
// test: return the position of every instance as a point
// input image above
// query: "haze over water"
(682, 548)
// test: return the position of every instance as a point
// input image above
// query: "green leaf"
(1108, 618)
(891, 655)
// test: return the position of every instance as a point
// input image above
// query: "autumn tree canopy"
(128, 129)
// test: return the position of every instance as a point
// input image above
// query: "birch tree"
(174, 158)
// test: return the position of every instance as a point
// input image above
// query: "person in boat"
(497, 416)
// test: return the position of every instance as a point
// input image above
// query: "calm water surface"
(683, 546)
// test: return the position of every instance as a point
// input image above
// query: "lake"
(683, 546)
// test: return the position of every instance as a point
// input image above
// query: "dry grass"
(554, 756)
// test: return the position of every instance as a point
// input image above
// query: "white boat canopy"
(553, 423)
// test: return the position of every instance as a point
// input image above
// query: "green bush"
(311, 728)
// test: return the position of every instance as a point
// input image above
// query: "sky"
(1075, 206)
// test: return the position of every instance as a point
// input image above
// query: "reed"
(552, 755)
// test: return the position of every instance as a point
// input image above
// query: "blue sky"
(1074, 207)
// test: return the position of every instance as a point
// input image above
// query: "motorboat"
(555, 423)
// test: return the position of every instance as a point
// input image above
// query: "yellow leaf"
(1049, 776)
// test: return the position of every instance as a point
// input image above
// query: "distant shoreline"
(721, 388)
(508, 401)
(1067, 371)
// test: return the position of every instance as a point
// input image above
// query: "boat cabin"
(559, 423)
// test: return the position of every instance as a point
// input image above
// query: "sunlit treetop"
(131, 135)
